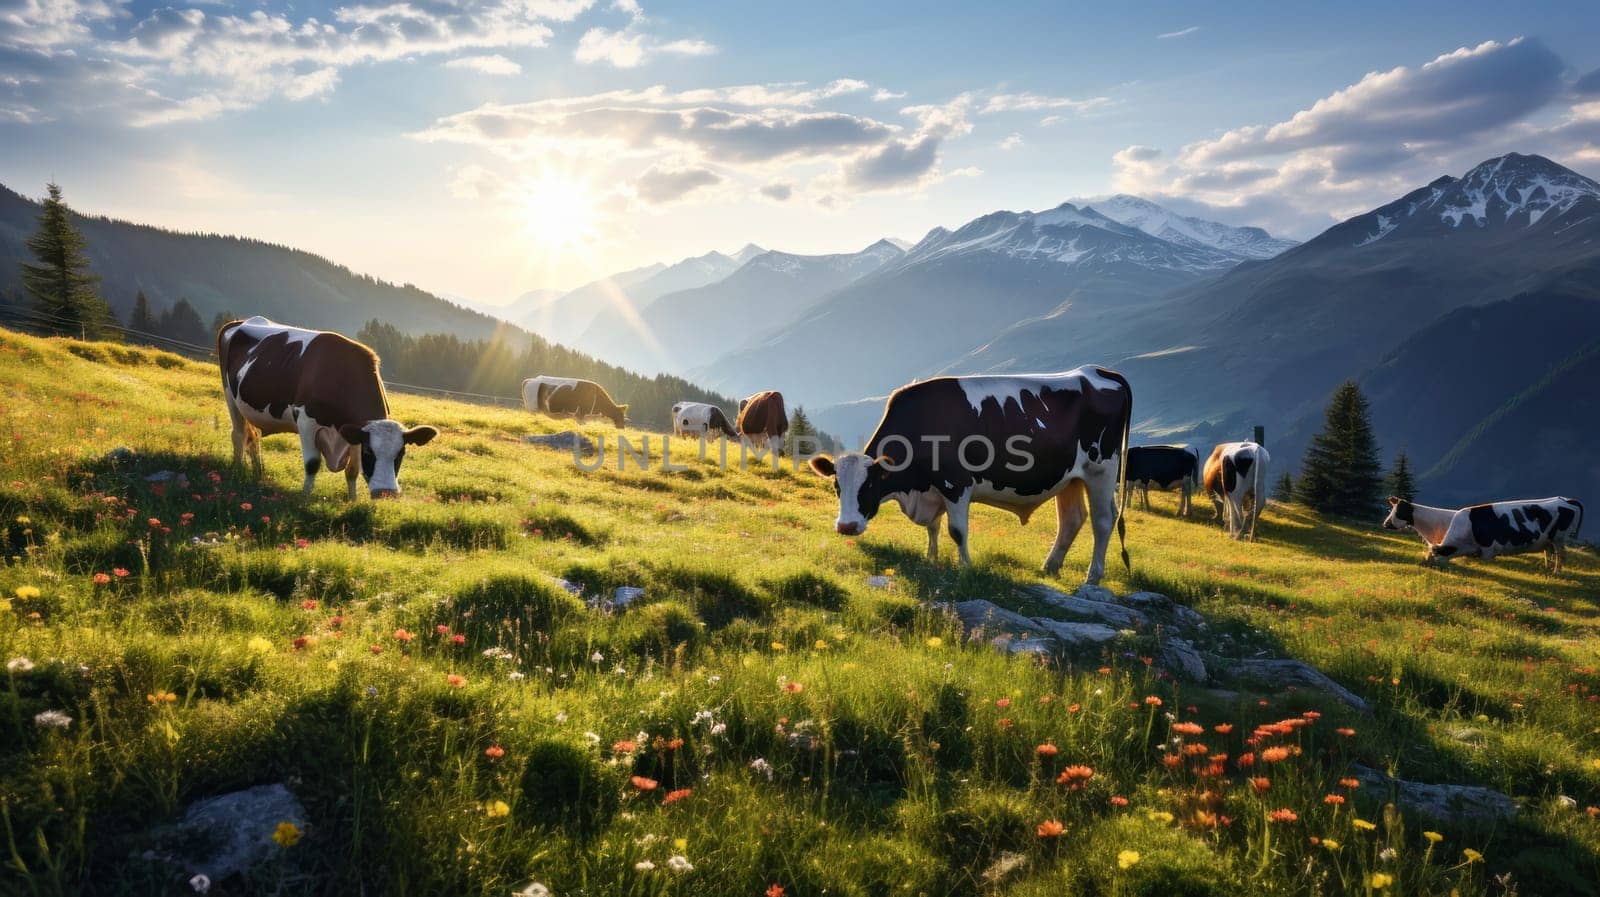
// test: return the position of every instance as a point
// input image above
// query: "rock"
(1180, 656)
(1096, 593)
(563, 441)
(226, 835)
(626, 595)
(1076, 635)
(1155, 603)
(1275, 673)
(881, 582)
(570, 587)
(1442, 802)
(1043, 647)
(1109, 612)
(980, 613)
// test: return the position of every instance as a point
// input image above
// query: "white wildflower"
(761, 767)
(19, 665)
(52, 719)
(516, 675)
(719, 728)
(680, 864)
(702, 717)
(713, 679)
(597, 657)
(644, 865)
(1567, 803)
(532, 889)
(201, 883)
(594, 737)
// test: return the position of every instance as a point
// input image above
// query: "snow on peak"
(1512, 185)
(1157, 221)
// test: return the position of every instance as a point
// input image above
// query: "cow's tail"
(1122, 486)
(222, 348)
(1579, 525)
(1260, 498)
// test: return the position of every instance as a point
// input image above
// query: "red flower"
(775, 890)
(675, 796)
(1260, 784)
(455, 680)
(1188, 728)
(1350, 783)
(1222, 728)
(101, 579)
(1172, 761)
(643, 784)
(793, 688)
(1075, 777)
(458, 639)
(494, 752)
(442, 629)
(624, 746)
(154, 522)
(1153, 701)
(1118, 800)
(1003, 703)
(1346, 732)
(301, 643)
(120, 572)
(1074, 707)
(335, 621)
(1047, 750)
(376, 649)
(309, 604)
(1275, 754)
(1283, 815)
(1333, 799)
(1050, 828)
(403, 635)
(245, 506)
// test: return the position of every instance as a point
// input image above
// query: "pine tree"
(1341, 473)
(60, 285)
(1284, 489)
(1400, 482)
(800, 426)
(141, 321)
(222, 317)
(181, 322)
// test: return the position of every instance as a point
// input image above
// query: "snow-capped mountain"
(1184, 230)
(689, 327)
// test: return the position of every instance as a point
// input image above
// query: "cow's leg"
(252, 446)
(1071, 511)
(241, 435)
(1185, 499)
(957, 523)
(1235, 517)
(310, 457)
(1102, 488)
(775, 445)
(1144, 495)
(1255, 514)
(933, 540)
(352, 471)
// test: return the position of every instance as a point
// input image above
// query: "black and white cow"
(1013, 442)
(323, 386)
(1485, 531)
(700, 419)
(1165, 467)
(571, 397)
(1236, 479)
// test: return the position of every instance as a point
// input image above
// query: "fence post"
(1261, 435)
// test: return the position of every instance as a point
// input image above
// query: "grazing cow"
(700, 419)
(323, 386)
(570, 397)
(762, 417)
(1236, 474)
(1013, 442)
(1484, 531)
(1165, 467)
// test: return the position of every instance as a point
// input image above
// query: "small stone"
(626, 595)
(881, 582)
(563, 441)
(1180, 656)
(228, 834)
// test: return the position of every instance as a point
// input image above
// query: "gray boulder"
(1108, 612)
(1276, 673)
(231, 833)
(1441, 802)
(564, 441)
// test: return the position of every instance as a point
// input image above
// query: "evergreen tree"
(1401, 483)
(221, 318)
(1341, 473)
(181, 322)
(141, 320)
(1284, 489)
(60, 285)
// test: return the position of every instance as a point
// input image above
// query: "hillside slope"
(781, 709)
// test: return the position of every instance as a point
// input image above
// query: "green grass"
(833, 737)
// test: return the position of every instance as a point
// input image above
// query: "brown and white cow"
(571, 397)
(762, 418)
(700, 419)
(1013, 442)
(1236, 479)
(1488, 530)
(323, 386)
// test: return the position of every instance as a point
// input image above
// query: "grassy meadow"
(769, 719)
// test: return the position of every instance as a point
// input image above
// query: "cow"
(1488, 530)
(1009, 441)
(762, 418)
(700, 419)
(1236, 474)
(323, 386)
(1165, 467)
(570, 397)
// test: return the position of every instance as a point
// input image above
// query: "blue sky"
(485, 148)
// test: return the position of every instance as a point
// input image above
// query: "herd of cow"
(1013, 441)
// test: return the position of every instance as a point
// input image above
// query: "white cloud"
(660, 185)
(493, 64)
(631, 48)
(1011, 142)
(1032, 102)
(883, 95)
(1182, 32)
(778, 191)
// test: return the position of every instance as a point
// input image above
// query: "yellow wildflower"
(162, 697)
(260, 645)
(1363, 825)
(888, 571)
(779, 646)
(1330, 843)
(1433, 837)
(496, 808)
(1472, 855)
(821, 645)
(1160, 816)
(680, 844)
(1381, 880)
(287, 834)
(937, 642)
(1127, 858)
(28, 593)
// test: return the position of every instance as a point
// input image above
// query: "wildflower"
(775, 890)
(375, 649)
(1050, 828)
(403, 636)
(624, 746)
(1363, 825)
(301, 643)
(793, 688)
(161, 697)
(1246, 760)
(1283, 815)
(1330, 843)
(644, 784)
(246, 506)
(309, 604)
(455, 680)
(1188, 728)
(761, 767)
(532, 889)
(644, 866)
(933, 642)
(1161, 816)
(1074, 707)
(597, 657)
(1433, 837)
(26, 593)
(101, 579)
(679, 864)
(1047, 750)
(1275, 754)
(1003, 703)
(1350, 783)
(1333, 799)
(1075, 777)
(1127, 858)
(673, 797)
(287, 834)
(1472, 856)
(1222, 728)
(821, 645)
(200, 883)
(19, 665)
(1381, 880)
(1260, 784)
(1346, 732)
(496, 809)
(458, 639)
(120, 572)
(1172, 761)
(1388, 854)
(259, 645)
(1153, 701)
(1118, 800)
(494, 752)
(52, 719)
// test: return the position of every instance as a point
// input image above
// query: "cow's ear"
(419, 435)
(822, 466)
(353, 434)
(1393, 501)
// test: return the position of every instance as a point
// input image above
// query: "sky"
(485, 148)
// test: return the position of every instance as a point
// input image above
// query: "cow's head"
(1400, 514)
(859, 481)
(383, 447)
(620, 416)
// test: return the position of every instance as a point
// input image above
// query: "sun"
(559, 212)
